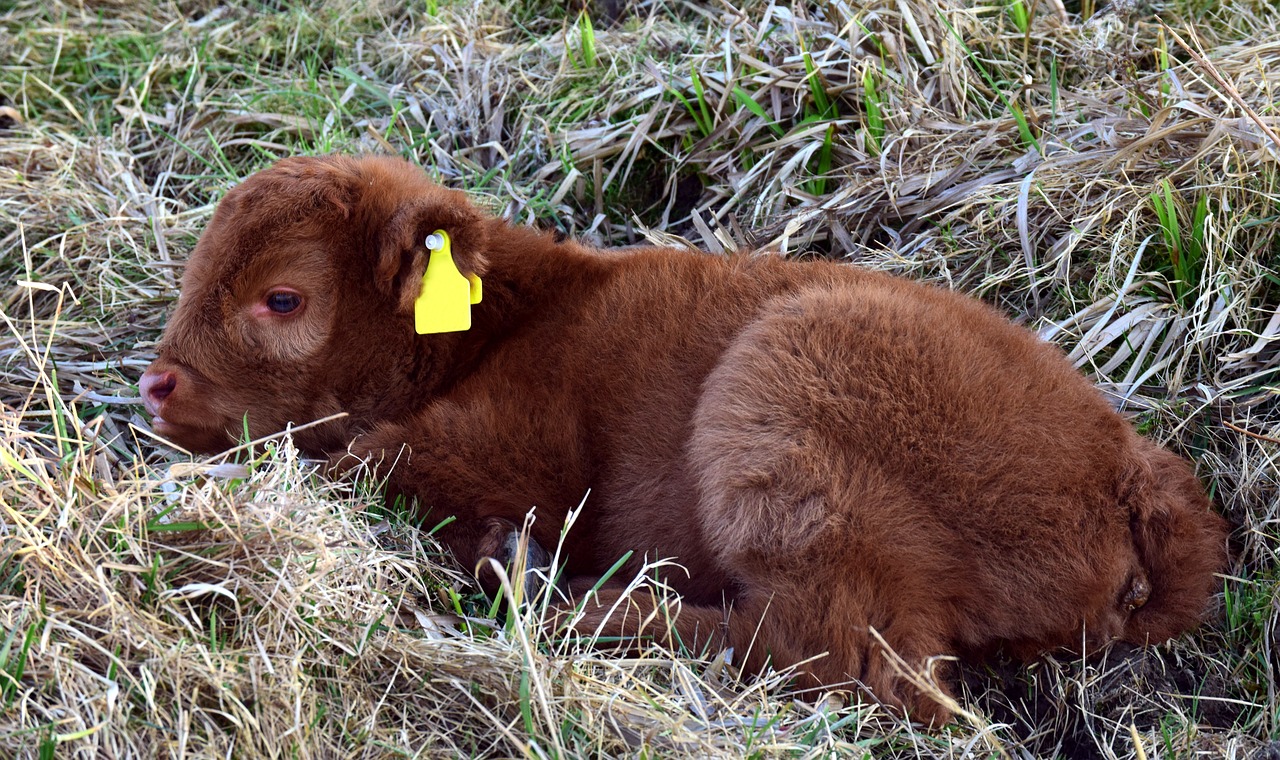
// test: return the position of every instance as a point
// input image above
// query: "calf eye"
(283, 301)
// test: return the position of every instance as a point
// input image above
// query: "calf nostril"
(156, 388)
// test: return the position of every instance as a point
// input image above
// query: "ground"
(1108, 176)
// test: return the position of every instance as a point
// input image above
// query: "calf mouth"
(198, 439)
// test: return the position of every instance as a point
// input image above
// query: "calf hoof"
(537, 563)
(500, 542)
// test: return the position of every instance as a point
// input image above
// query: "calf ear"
(402, 253)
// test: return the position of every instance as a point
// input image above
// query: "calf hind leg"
(799, 503)
(825, 647)
(835, 640)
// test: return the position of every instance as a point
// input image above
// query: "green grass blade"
(746, 101)
(699, 91)
(1018, 14)
(875, 114)
(588, 36)
(1024, 127)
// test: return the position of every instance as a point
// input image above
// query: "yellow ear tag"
(444, 305)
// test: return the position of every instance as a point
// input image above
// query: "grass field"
(1109, 177)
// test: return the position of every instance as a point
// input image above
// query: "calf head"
(297, 303)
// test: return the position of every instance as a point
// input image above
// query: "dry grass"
(152, 607)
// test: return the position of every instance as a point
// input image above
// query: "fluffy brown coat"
(826, 450)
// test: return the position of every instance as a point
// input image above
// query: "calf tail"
(1181, 543)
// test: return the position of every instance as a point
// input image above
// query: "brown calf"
(826, 450)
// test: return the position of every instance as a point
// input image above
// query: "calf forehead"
(216, 297)
(231, 249)
(234, 261)
(294, 200)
